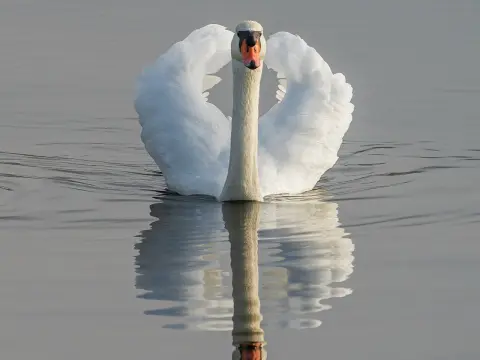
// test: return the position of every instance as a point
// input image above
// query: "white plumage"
(189, 138)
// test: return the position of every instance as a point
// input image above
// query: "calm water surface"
(97, 260)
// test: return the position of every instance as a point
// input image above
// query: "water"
(97, 260)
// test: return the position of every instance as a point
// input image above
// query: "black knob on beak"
(251, 40)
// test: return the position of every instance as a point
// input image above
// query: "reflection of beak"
(251, 351)
(250, 53)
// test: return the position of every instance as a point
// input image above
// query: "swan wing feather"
(299, 137)
(186, 135)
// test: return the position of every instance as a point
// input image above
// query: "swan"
(245, 157)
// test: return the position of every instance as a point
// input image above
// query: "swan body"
(246, 157)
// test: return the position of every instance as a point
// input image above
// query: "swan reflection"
(194, 251)
(241, 222)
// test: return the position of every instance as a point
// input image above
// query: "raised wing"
(184, 133)
(299, 137)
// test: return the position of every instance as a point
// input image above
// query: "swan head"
(248, 44)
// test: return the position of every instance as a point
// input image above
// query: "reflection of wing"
(185, 258)
(179, 260)
(309, 121)
(311, 254)
(184, 133)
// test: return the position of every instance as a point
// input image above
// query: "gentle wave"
(79, 174)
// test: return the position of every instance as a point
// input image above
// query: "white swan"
(201, 151)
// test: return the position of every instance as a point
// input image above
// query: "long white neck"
(242, 181)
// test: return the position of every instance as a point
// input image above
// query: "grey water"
(98, 260)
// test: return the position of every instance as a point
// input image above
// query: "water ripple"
(79, 174)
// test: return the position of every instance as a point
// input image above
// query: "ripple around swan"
(184, 258)
(392, 176)
(385, 172)
(76, 190)
(78, 174)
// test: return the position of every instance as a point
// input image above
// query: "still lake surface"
(97, 260)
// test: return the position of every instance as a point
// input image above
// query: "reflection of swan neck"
(242, 181)
(241, 221)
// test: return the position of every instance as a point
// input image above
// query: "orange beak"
(250, 54)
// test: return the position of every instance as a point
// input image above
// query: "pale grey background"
(76, 184)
